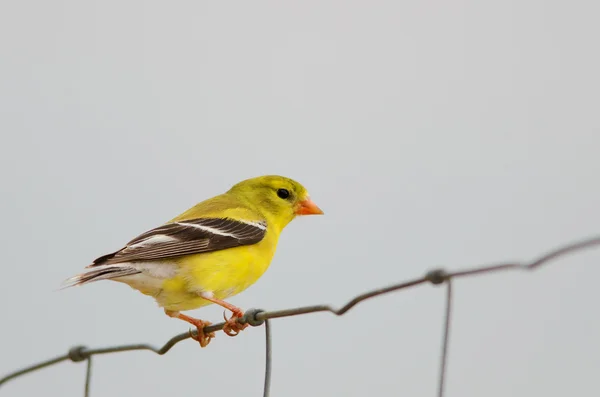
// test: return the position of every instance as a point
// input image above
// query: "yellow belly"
(223, 273)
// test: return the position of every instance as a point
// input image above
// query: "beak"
(308, 207)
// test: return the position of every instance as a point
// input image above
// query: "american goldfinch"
(212, 251)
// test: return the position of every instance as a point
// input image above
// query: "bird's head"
(278, 198)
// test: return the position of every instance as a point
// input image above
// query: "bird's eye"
(283, 193)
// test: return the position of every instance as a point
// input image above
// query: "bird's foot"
(232, 327)
(202, 337)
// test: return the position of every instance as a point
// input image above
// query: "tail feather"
(97, 274)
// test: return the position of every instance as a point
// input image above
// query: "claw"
(201, 337)
(232, 327)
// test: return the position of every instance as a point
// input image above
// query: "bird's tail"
(99, 273)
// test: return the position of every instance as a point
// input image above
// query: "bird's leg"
(231, 327)
(202, 338)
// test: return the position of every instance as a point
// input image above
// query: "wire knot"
(250, 317)
(78, 354)
(437, 276)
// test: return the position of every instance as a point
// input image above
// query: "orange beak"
(308, 207)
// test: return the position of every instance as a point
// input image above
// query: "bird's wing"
(187, 237)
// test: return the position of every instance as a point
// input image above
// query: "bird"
(209, 253)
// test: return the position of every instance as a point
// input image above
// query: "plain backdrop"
(432, 133)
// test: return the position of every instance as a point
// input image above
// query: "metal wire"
(446, 338)
(256, 317)
(88, 377)
(268, 359)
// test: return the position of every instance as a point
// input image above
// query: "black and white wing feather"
(185, 238)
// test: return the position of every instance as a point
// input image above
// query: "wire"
(446, 338)
(257, 317)
(88, 377)
(268, 359)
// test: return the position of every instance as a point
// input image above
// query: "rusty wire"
(257, 317)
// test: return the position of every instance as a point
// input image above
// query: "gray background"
(432, 133)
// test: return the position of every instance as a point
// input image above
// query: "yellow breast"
(223, 273)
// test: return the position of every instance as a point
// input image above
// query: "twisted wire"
(258, 317)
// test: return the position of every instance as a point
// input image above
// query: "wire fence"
(258, 317)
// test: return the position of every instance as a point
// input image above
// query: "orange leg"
(202, 338)
(232, 327)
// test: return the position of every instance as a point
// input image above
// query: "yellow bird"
(211, 252)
